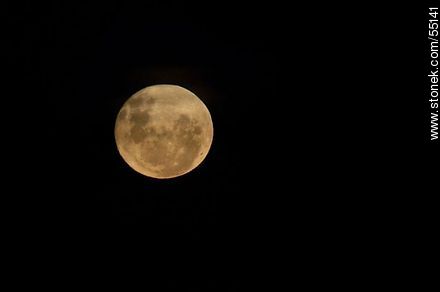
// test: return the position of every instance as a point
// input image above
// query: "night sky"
(315, 127)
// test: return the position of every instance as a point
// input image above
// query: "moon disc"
(163, 131)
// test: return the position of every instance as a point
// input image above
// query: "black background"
(319, 120)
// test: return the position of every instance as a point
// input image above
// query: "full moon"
(163, 131)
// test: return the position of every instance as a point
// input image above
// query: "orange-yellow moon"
(163, 131)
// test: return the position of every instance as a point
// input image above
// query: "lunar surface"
(163, 131)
